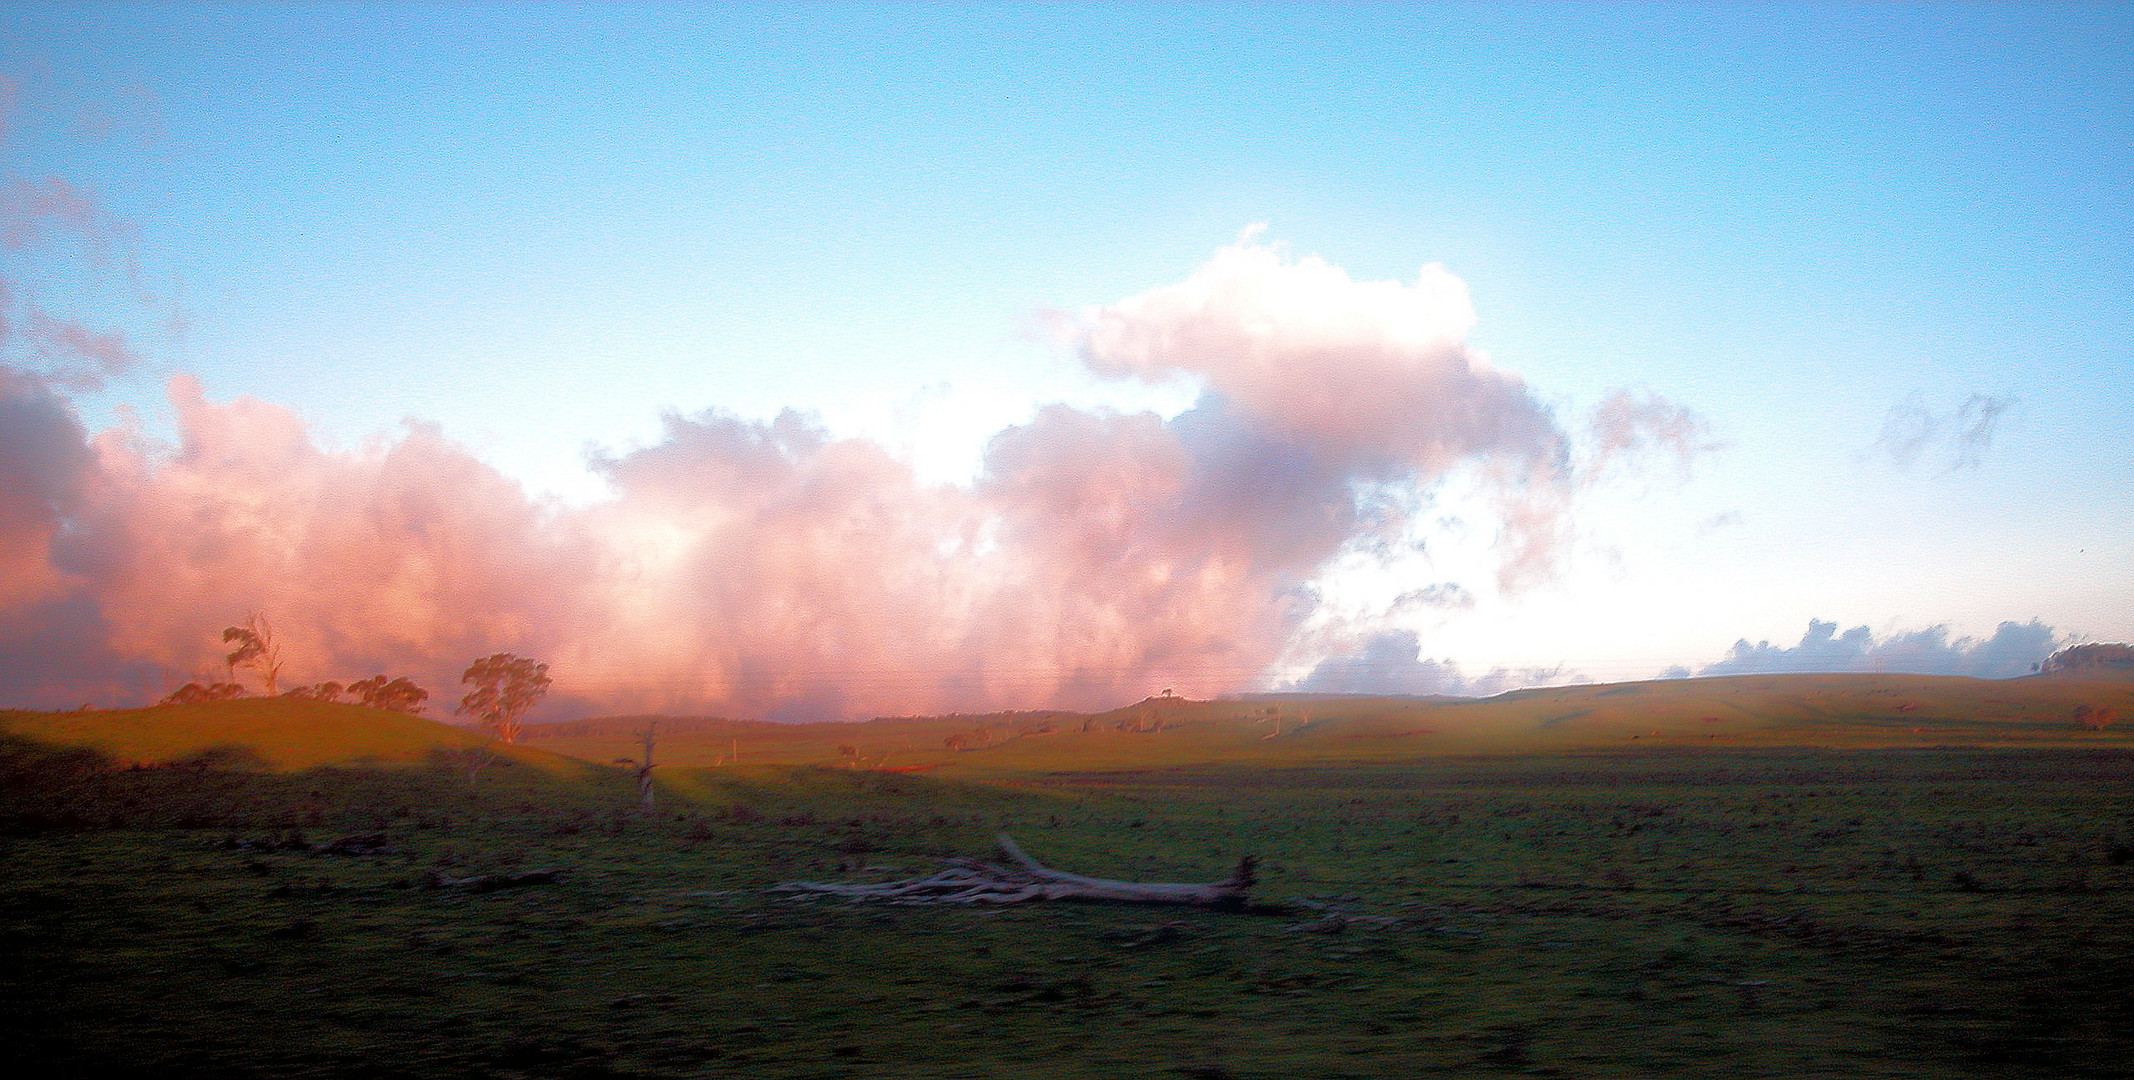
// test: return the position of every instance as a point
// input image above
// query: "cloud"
(1358, 383)
(2012, 650)
(45, 463)
(1442, 595)
(1374, 371)
(1390, 662)
(769, 568)
(59, 240)
(1913, 434)
(75, 356)
(1629, 427)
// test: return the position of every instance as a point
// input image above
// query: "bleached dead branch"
(970, 881)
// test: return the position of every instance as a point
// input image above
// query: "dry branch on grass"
(970, 881)
(493, 882)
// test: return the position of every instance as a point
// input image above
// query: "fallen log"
(492, 882)
(969, 881)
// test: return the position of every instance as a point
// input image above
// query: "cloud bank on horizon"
(2012, 649)
(772, 569)
(1391, 661)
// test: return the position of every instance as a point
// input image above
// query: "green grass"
(1594, 907)
(1756, 913)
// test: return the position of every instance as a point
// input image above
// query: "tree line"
(502, 687)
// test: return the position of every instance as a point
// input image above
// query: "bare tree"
(505, 686)
(256, 648)
(470, 760)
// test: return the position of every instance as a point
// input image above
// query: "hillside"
(1844, 711)
(1750, 711)
(279, 733)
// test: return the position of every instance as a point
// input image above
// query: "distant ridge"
(1735, 712)
(1314, 695)
(1731, 712)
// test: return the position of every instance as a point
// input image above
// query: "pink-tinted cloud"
(74, 355)
(771, 569)
(1376, 369)
(54, 235)
(1629, 426)
(1373, 381)
(398, 555)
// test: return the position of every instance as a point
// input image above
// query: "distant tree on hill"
(397, 694)
(505, 686)
(2098, 658)
(193, 693)
(256, 648)
(325, 691)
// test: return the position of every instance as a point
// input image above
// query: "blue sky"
(542, 227)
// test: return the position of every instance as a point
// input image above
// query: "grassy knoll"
(1637, 911)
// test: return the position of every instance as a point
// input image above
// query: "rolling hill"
(278, 734)
(1852, 711)
(1842, 711)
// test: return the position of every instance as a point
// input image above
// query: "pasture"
(1869, 910)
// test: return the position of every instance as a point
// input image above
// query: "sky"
(824, 361)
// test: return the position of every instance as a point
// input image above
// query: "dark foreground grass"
(1895, 913)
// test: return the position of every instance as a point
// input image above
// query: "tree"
(193, 693)
(470, 760)
(256, 649)
(398, 694)
(325, 691)
(2099, 658)
(505, 686)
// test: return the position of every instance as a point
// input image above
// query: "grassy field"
(171, 903)
(1751, 711)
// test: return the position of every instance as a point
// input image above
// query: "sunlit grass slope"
(1759, 711)
(276, 733)
(1847, 711)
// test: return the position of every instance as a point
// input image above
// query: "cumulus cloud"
(1376, 372)
(1913, 434)
(1390, 662)
(1355, 383)
(769, 568)
(2013, 649)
